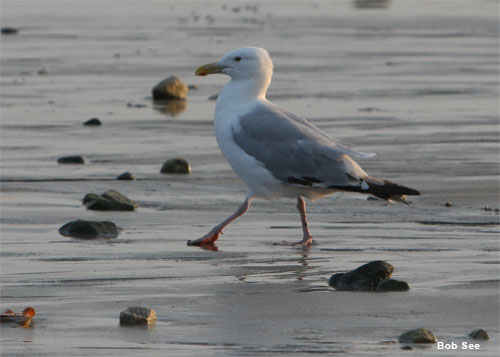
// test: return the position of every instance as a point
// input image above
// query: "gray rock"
(93, 122)
(364, 278)
(89, 229)
(42, 72)
(176, 166)
(393, 285)
(71, 160)
(127, 176)
(479, 334)
(110, 200)
(170, 88)
(419, 335)
(137, 316)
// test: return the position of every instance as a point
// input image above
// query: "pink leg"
(213, 235)
(307, 238)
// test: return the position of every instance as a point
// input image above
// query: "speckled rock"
(365, 278)
(170, 88)
(137, 316)
(71, 160)
(93, 122)
(479, 334)
(176, 166)
(393, 285)
(419, 335)
(110, 200)
(89, 229)
(126, 176)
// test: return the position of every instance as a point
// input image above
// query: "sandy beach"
(414, 81)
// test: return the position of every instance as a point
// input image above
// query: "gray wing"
(294, 150)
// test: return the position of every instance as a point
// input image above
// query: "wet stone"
(170, 88)
(126, 176)
(176, 166)
(71, 160)
(365, 278)
(89, 229)
(93, 122)
(419, 335)
(137, 316)
(110, 200)
(479, 334)
(393, 285)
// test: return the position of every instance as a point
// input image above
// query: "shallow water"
(416, 82)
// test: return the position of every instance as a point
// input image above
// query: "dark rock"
(170, 88)
(176, 166)
(93, 122)
(393, 285)
(364, 278)
(407, 348)
(419, 335)
(9, 31)
(214, 97)
(137, 316)
(71, 160)
(110, 200)
(479, 334)
(127, 176)
(42, 72)
(193, 86)
(89, 229)
(448, 204)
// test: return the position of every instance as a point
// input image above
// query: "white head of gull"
(276, 153)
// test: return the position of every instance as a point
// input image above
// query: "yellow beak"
(210, 68)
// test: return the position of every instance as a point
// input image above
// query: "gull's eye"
(237, 59)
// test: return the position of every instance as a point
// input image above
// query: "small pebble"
(127, 176)
(176, 166)
(42, 72)
(363, 278)
(110, 200)
(89, 229)
(193, 86)
(137, 316)
(419, 335)
(170, 88)
(71, 160)
(93, 122)
(479, 334)
(448, 204)
(214, 97)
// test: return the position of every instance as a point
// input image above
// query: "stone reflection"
(372, 4)
(171, 107)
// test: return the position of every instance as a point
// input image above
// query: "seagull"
(278, 154)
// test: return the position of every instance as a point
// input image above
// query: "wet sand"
(415, 82)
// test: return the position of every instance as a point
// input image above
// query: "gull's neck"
(243, 92)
